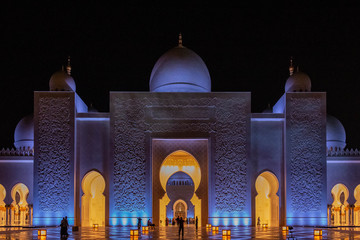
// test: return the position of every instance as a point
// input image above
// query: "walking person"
(181, 226)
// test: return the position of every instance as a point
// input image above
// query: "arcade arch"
(93, 200)
(180, 161)
(340, 206)
(266, 200)
(357, 206)
(2, 206)
(20, 211)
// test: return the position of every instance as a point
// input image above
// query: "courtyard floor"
(171, 232)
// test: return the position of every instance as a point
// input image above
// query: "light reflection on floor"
(171, 232)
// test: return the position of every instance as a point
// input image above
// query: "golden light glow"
(95, 225)
(134, 232)
(208, 225)
(226, 232)
(317, 232)
(42, 232)
(266, 200)
(265, 225)
(145, 228)
(93, 200)
(180, 161)
(357, 206)
(285, 228)
(215, 229)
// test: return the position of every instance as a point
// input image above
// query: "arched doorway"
(357, 206)
(180, 161)
(266, 200)
(340, 206)
(93, 200)
(20, 211)
(2, 206)
(180, 209)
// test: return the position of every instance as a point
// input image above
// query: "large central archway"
(93, 200)
(180, 161)
(20, 212)
(266, 201)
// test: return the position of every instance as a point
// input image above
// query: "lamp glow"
(42, 232)
(285, 228)
(95, 225)
(215, 229)
(265, 225)
(226, 232)
(208, 225)
(145, 228)
(134, 232)
(317, 232)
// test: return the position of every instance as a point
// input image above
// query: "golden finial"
(291, 67)
(180, 40)
(68, 66)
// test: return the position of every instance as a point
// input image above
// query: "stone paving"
(171, 232)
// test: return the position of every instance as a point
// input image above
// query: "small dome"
(24, 133)
(298, 82)
(335, 134)
(180, 70)
(61, 81)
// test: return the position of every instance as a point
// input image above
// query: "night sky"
(115, 48)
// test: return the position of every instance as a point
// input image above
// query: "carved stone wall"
(224, 116)
(54, 152)
(306, 154)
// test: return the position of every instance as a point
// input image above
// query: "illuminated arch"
(2, 206)
(180, 161)
(266, 200)
(20, 212)
(357, 206)
(180, 201)
(340, 208)
(93, 200)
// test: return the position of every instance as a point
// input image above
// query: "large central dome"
(180, 70)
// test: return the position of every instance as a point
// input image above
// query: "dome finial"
(291, 67)
(180, 40)
(68, 66)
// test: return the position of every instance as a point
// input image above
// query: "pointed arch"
(93, 200)
(266, 200)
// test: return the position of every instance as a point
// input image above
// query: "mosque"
(180, 150)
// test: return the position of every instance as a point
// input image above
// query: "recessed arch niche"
(93, 200)
(266, 200)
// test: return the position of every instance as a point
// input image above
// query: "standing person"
(181, 226)
(196, 223)
(62, 228)
(139, 222)
(66, 226)
(258, 222)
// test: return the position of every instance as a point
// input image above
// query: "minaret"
(68, 66)
(291, 67)
(180, 40)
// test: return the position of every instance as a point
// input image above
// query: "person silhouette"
(181, 226)
(139, 222)
(196, 222)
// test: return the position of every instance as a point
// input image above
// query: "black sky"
(114, 49)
